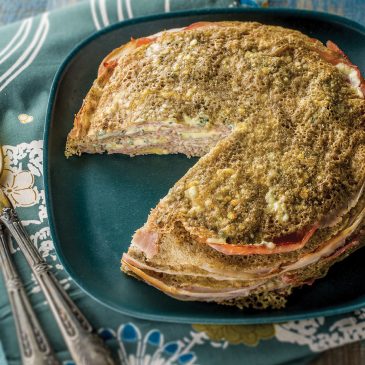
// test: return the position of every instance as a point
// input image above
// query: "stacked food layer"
(278, 196)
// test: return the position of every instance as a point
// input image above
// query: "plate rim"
(249, 319)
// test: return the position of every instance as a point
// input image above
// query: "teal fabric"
(30, 53)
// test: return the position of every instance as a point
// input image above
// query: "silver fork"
(86, 348)
(33, 343)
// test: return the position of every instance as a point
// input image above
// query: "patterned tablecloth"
(30, 53)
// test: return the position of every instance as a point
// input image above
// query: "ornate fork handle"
(86, 348)
(33, 343)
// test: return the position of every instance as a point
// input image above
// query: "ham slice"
(146, 240)
(328, 247)
(195, 292)
(293, 278)
(215, 274)
(192, 292)
(350, 245)
(199, 25)
(285, 277)
(200, 293)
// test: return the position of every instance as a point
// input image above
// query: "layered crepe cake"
(278, 195)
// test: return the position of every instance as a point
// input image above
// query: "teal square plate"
(96, 202)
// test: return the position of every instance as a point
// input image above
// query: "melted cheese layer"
(352, 75)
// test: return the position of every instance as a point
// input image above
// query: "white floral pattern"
(22, 165)
(18, 186)
(42, 240)
(151, 348)
(24, 156)
(21, 181)
(320, 335)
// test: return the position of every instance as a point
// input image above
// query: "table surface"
(10, 11)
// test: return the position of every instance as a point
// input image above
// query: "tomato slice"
(144, 40)
(288, 243)
(110, 64)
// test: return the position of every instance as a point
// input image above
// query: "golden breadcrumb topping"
(211, 78)
(266, 179)
(298, 147)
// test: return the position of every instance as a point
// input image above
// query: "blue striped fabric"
(14, 10)
(31, 50)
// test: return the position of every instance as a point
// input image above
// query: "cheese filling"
(352, 75)
(184, 131)
(277, 206)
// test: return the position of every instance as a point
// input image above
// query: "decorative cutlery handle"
(33, 343)
(85, 347)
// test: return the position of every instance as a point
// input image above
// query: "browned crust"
(259, 298)
(109, 63)
(105, 72)
(90, 103)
